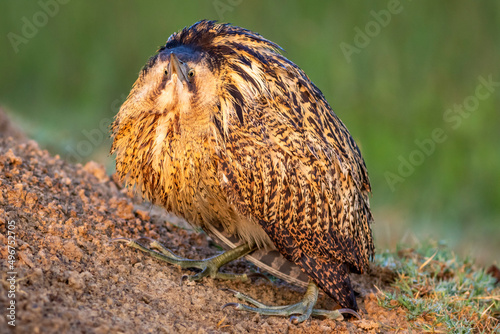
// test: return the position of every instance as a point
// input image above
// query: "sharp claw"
(120, 239)
(258, 275)
(183, 278)
(148, 239)
(294, 319)
(230, 290)
(236, 305)
(349, 311)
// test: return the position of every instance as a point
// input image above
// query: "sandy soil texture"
(71, 278)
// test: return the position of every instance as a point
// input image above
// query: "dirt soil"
(72, 278)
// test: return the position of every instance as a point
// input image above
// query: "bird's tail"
(332, 278)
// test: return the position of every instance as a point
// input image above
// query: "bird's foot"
(209, 267)
(299, 312)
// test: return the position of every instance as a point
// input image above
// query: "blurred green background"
(390, 70)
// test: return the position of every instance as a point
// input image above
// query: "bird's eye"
(191, 73)
(166, 71)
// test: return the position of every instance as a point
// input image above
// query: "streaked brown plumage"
(224, 131)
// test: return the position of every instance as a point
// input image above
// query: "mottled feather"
(254, 149)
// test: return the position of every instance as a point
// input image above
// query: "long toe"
(298, 312)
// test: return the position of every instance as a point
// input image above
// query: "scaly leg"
(209, 267)
(304, 309)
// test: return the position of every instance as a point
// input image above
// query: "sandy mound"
(72, 279)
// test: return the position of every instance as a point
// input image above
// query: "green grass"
(440, 292)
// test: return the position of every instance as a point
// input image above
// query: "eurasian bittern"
(223, 130)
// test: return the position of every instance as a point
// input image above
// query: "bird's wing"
(289, 162)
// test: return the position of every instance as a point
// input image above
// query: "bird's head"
(187, 82)
(205, 74)
(178, 83)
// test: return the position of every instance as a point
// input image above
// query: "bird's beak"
(177, 67)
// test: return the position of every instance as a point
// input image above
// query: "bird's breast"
(178, 170)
